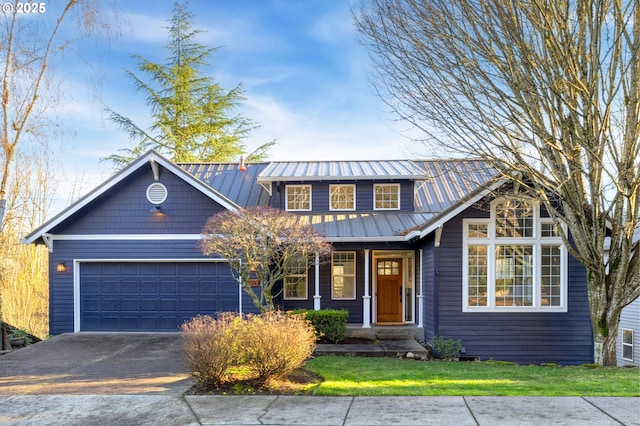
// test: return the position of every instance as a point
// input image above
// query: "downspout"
(366, 299)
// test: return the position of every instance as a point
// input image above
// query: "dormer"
(342, 186)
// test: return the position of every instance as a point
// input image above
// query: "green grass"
(358, 376)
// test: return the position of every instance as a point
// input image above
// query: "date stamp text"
(24, 8)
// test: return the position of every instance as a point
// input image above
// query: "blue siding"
(124, 209)
(364, 195)
(429, 299)
(564, 338)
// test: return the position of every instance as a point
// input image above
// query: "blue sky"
(305, 77)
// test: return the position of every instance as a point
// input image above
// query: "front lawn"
(360, 376)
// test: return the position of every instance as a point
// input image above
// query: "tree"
(30, 43)
(546, 90)
(190, 113)
(262, 243)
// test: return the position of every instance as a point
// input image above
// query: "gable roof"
(152, 159)
(442, 189)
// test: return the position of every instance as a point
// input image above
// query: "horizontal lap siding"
(534, 337)
(429, 299)
(630, 319)
(125, 209)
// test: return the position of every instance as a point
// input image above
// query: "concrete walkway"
(139, 379)
(310, 410)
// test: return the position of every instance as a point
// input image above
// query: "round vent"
(156, 193)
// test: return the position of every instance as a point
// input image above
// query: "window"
(343, 197)
(386, 196)
(298, 197)
(343, 275)
(295, 283)
(513, 261)
(627, 344)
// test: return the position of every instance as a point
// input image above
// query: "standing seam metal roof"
(439, 186)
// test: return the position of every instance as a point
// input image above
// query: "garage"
(152, 296)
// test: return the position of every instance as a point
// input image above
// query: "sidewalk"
(311, 410)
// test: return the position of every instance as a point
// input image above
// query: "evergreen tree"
(193, 116)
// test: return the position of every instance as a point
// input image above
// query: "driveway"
(97, 364)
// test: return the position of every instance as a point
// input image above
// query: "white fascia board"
(124, 237)
(151, 156)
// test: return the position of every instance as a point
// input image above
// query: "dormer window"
(298, 197)
(386, 196)
(343, 197)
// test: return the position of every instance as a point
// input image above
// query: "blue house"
(445, 247)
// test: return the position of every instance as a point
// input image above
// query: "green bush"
(209, 347)
(274, 344)
(446, 348)
(330, 324)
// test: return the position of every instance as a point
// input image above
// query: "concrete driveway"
(97, 364)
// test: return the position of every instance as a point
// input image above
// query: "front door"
(389, 295)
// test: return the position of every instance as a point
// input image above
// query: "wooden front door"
(389, 294)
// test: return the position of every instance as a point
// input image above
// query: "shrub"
(330, 324)
(274, 344)
(446, 348)
(209, 347)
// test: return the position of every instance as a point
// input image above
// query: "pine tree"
(192, 116)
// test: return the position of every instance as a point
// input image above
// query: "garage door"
(144, 296)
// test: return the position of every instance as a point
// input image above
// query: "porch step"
(377, 348)
(385, 332)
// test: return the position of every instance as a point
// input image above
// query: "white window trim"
(286, 198)
(355, 280)
(397, 185)
(306, 286)
(626, 344)
(491, 241)
(331, 194)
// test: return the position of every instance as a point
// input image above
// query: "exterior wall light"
(61, 267)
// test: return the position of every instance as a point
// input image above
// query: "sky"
(305, 76)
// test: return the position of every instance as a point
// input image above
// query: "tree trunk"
(2, 205)
(604, 347)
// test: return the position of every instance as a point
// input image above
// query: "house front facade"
(443, 246)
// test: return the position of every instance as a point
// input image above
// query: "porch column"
(240, 291)
(366, 299)
(316, 295)
(420, 296)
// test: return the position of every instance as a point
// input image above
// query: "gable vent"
(156, 193)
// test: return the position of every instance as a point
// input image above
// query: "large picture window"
(343, 275)
(295, 283)
(515, 260)
(298, 197)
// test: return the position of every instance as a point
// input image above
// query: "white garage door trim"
(77, 264)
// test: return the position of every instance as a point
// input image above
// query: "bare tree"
(262, 244)
(30, 39)
(547, 90)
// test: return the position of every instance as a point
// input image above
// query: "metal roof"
(339, 170)
(373, 226)
(241, 187)
(446, 182)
